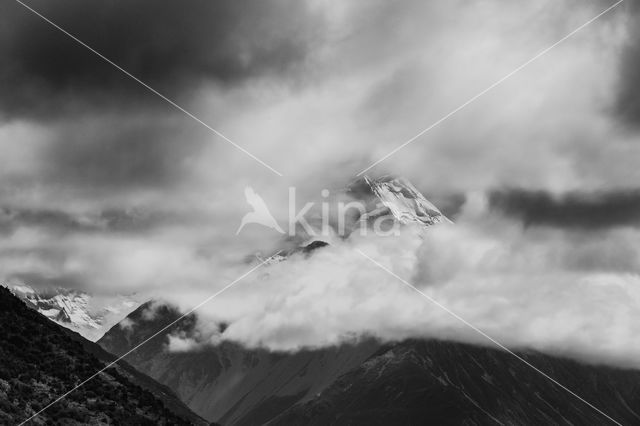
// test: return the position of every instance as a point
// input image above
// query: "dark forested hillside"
(41, 361)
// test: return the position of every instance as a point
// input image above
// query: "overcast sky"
(106, 187)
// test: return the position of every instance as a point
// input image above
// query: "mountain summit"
(399, 198)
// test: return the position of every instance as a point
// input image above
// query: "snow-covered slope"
(77, 311)
(404, 201)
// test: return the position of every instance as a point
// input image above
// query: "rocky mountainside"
(76, 310)
(446, 383)
(42, 360)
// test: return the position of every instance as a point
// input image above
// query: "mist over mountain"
(367, 382)
(365, 378)
(512, 280)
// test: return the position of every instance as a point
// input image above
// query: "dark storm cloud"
(628, 101)
(173, 46)
(580, 210)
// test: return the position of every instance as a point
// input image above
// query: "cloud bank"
(529, 287)
(106, 188)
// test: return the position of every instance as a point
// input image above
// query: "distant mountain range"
(41, 361)
(77, 310)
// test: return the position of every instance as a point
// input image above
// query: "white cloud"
(181, 344)
(127, 324)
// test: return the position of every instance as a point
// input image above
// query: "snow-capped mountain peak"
(388, 197)
(404, 201)
(61, 306)
(76, 310)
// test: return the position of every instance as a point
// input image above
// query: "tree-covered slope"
(41, 361)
